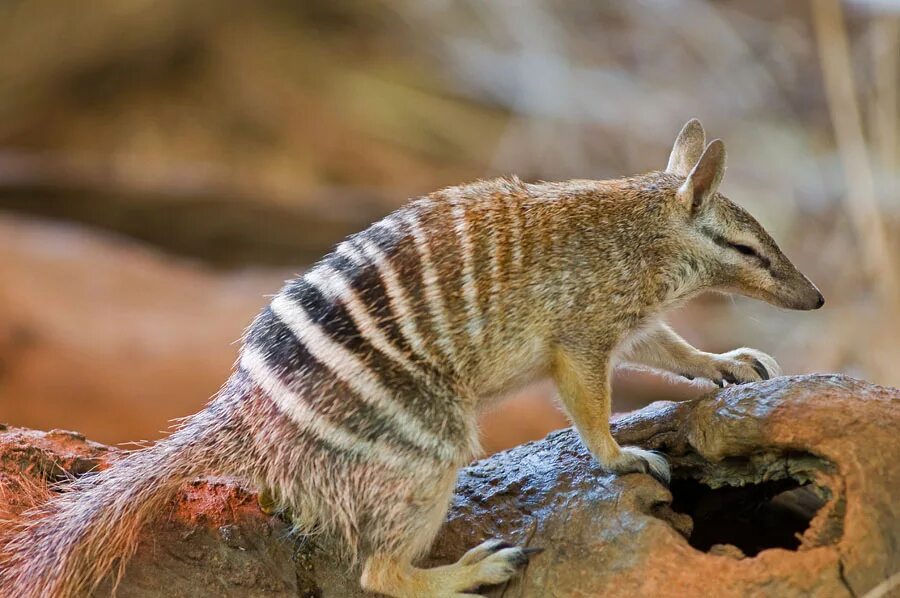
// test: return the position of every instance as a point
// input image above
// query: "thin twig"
(863, 208)
(883, 125)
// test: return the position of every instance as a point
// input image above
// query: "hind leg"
(391, 572)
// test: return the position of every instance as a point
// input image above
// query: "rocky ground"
(782, 488)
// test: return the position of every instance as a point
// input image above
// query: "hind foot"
(491, 562)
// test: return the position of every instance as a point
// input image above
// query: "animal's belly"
(509, 372)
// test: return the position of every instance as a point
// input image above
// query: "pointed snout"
(788, 289)
(799, 293)
(820, 301)
(815, 302)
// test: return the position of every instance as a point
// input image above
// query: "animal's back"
(375, 355)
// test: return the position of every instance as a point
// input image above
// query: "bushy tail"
(67, 546)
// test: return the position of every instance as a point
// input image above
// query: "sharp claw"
(661, 479)
(730, 378)
(532, 550)
(519, 559)
(760, 369)
(720, 383)
(500, 546)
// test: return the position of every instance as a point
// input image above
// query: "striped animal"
(355, 397)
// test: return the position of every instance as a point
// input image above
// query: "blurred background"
(164, 165)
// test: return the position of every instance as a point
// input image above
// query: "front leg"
(582, 377)
(663, 349)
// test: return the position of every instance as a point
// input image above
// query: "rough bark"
(781, 488)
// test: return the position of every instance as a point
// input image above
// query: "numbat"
(355, 397)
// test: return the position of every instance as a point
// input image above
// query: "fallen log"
(781, 488)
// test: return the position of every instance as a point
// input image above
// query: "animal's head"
(736, 253)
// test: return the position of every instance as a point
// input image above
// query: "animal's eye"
(746, 250)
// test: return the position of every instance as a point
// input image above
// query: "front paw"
(746, 365)
(632, 459)
(738, 366)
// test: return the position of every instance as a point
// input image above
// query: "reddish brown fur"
(507, 282)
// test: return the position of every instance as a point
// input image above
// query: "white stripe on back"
(516, 240)
(346, 249)
(400, 304)
(433, 294)
(470, 291)
(494, 252)
(292, 405)
(332, 284)
(353, 372)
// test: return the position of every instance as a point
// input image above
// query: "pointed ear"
(687, 149)
(704, 179)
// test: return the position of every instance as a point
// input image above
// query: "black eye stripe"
(750, 252)
(746, 250)
(740, 248)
